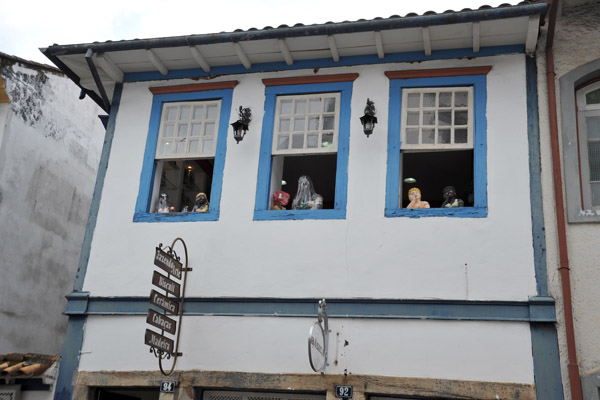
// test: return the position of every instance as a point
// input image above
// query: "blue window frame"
(394, 178)
(147, 179)
(262, 201)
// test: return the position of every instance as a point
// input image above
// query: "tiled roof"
(16, 365)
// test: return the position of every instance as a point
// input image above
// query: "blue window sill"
(274, 215)
(460, 212)
(176, 217)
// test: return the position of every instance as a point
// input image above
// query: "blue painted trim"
(261, 204)
(535, 180)
(413, 56)
(95, 204)
(144, 199)
(546, 362)
(536, 309)
(392, 206)
(77, 303)
(69, 361)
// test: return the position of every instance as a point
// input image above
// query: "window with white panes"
(306, 124)
(588, 110)
(185, 153)
(188, 129)
(437, 118)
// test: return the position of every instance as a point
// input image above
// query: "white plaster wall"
(461, 350)
(365, 255)
(577, 42)
(49, 154)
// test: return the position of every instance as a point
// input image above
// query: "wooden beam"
(476, 37)
(108, 66)
(158, 64)
(532, 34)
(379, 44)
(193, 87)
(431, 73)
(239, 50)
(285, 51)
(426, 41)
(200, 58)
(333, 48)
(301, 80)
(3, 96)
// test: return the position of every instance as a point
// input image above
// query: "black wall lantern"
(240, 127)
(369, 120)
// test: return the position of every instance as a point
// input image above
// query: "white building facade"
(422, 303)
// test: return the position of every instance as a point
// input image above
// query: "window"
(305, 133)
(436, 139)
(580, 129)
(588, 122)
(185, 154)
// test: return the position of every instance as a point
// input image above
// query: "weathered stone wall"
(49, 152)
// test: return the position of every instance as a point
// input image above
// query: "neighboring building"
(50, 145)
(570, 125)
(423, 303)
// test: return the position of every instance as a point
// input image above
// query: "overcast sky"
(27, 25)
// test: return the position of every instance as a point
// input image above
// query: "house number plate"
(344, 392)
(167, 386)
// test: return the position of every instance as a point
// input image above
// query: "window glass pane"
(428, 136)
(413, 100)
(445, 99)
(461, 99)
(593, 127)
(198, 112)
(299, 124)
(594, 160)
(428, 117)
(444, 136)
(167, 147)
(185, 113)
(461, 117)
(193, 147)
(412, 136)
(300, 107)
(445, 117)
(286, 107)
(283, 142)
(313, 123)
(169, 130)
(327, 140)
(312, 141)
(298, 141)
(171, 113)
(181, 146)
(460, 136)
(595, 188)
(209, 129)
(211, 111)
(182, 130)
(329, 105)
(412, 118)
(593, 97)
(196, 129)
(328, 122)
(314, 106)
(428, 99)
(207, 145)
(284, 125)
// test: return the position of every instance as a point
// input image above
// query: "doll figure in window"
(414, 195)
(201, 203)
(163, 205)
(306, 198)
(280, 200)
(450, 199)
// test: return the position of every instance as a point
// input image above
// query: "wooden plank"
(194, 87)
(434, 73)
(301, 80)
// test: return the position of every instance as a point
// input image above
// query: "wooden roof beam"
(333, 48)
(532, 34)
(158, 64)
(285, 51)
(200, 59)
(108, 66)
(239, 50)
(379, 44)
(476, 37)
(426, 41)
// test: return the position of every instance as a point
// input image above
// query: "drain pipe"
(573, 365)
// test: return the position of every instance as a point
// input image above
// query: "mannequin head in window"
(306, 197)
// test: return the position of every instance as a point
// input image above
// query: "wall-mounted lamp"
(240, 127)
(369, 120)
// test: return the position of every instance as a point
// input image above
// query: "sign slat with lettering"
(165, 283)
(160, 342)
(164, 302)
(161, 322)
(167, 263)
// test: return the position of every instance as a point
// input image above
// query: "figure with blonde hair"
(414, 195)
